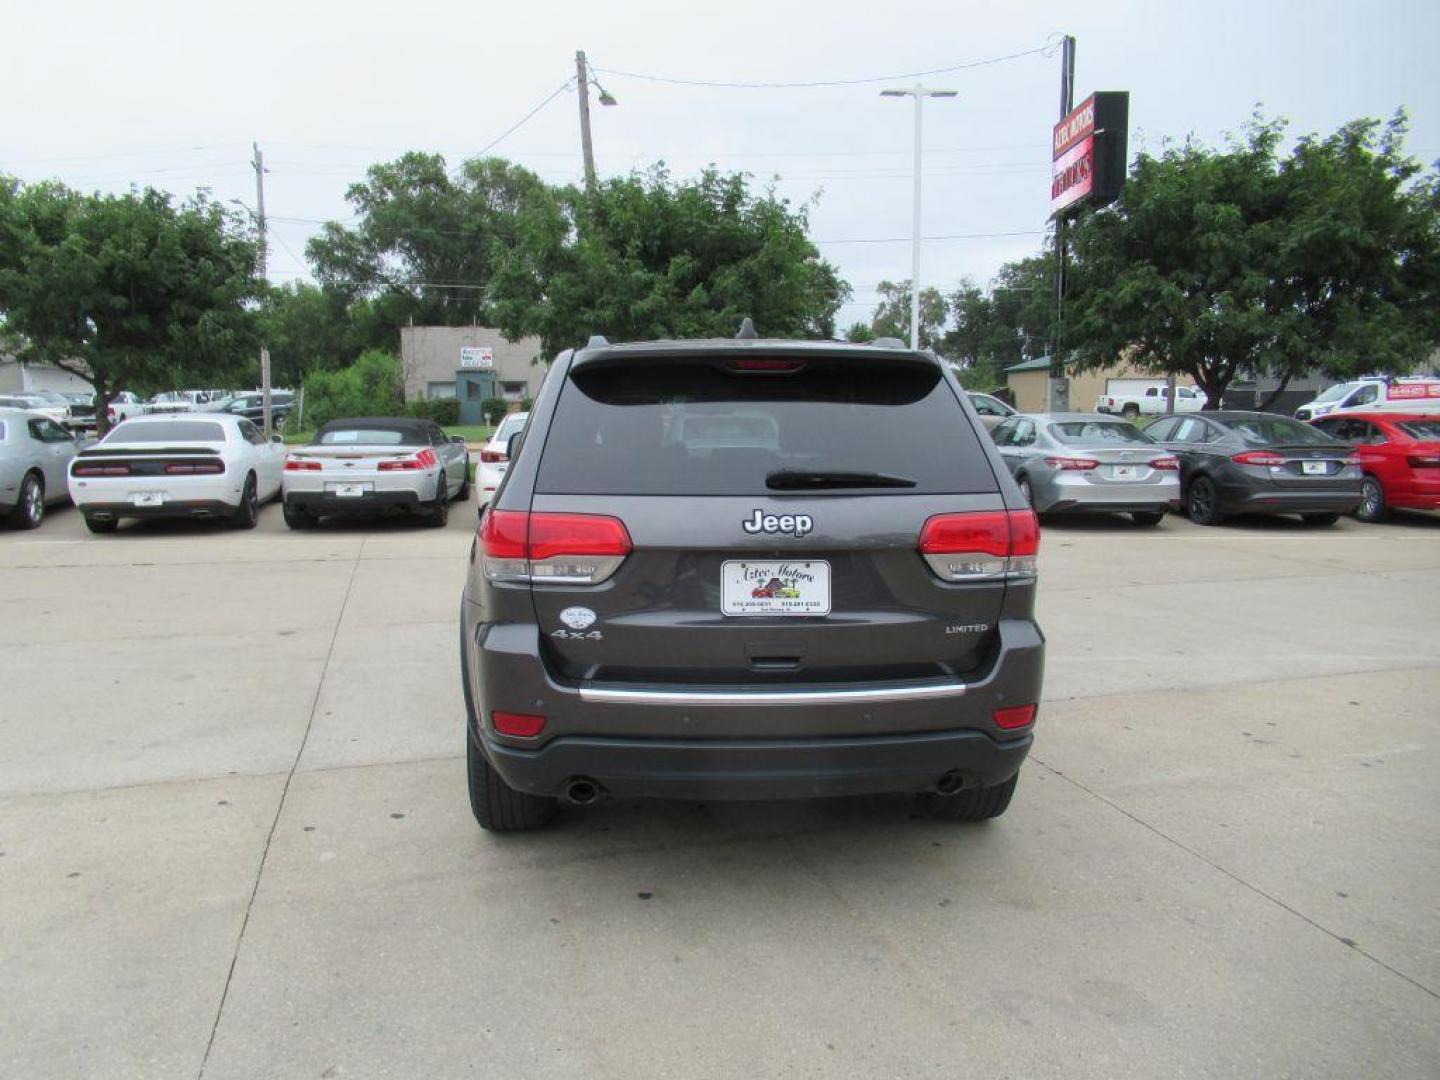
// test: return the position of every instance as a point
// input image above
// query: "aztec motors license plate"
(1314, 468)
(349, 491)
(750, 587)
(147, 498)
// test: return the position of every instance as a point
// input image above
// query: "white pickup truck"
(1151, 402)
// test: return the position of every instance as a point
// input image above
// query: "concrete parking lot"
(234, 838)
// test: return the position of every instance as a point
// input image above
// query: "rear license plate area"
(775, 587)
(348, 491)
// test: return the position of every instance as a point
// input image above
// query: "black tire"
(248, 512)
(297, 518)
(976, 804)
(30, 510)
(440, 508)
(1320, 520)
(1372, 501)
(1130, 412)
(463, 494)
(1147, 517)
(496, 805)
(101, 525)
(1202, 502)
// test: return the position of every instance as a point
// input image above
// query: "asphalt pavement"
(235, 843)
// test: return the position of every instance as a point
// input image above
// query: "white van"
(1418, 395)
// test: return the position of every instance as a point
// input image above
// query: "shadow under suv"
(750, 569)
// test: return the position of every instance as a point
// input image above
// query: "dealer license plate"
(349, 491)
(1314, 468)
(749, 587)
(147, 498)
(1123, 472)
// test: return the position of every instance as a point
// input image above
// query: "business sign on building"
(477, 356)
(1088, 152)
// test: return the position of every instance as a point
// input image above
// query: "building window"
(435, 391)
(472, 390)
(513, 391)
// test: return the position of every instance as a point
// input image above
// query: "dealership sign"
(1088, 151)
(477, 356)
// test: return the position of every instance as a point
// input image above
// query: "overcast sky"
(103, 95)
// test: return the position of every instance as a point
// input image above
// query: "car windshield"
(695, 429)
(370, 436)
(1278, 431)
(1421, 429)
(167, 431)
(1335, 393)
(50, 397)
(1099, 431)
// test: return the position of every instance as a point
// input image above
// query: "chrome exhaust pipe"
(950, 783)
(582, 791)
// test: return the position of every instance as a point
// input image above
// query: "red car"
(1400, 455)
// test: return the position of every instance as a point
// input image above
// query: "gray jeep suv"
(750, 569)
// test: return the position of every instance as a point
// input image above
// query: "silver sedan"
(1081, 462)
(35, 455)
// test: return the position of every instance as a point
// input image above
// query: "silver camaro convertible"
(1087, 462)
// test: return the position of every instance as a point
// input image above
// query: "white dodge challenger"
(204, 465)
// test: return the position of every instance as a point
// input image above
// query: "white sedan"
(495, 456)
(198, 465)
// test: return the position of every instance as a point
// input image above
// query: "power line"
(522, 121)
(1047, 48)
(948, 236)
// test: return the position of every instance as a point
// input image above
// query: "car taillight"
(1016, 716)
(765, 363)
(294, 464)
(209, 468)
(1077, 464)
(519, 725)
(424, 459)
(986, 545)
(1423, 461)
(87, 469)
(1350, 459)
(1258, 457)
(562, 549)
(493, 457)
(1166, 464)
(110, 414)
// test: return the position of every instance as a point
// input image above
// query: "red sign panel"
(1412, 391)
(1079, 124)
(1072, 176)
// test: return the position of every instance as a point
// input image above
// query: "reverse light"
(294, 464)
(423, 459)
(1166, 464)
(1258, 457)
(558, 549)
(519, 725)
(1016, 716)
(987, 545)
(1073, 464)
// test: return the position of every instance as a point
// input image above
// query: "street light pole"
(919, 93)
(583, 79)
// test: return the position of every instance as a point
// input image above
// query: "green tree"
(892, 314)
(644, 257)
(860, 332)
(128, 291)
(1013, 321)
(1215, 263)
(371, 386)
(307, 328)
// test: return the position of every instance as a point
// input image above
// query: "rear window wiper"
(796, 479)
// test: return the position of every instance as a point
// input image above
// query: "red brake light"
(575, 549)
(576, 534)
(423, 459)
(1073, 464)
(982, 545)
(503, 533)
(765, 363)
(209, 468)
(1166, 464)
(1016, 716)
(99, 470)
(1258, 457)
(1423, 461)
(493, 457)
(294, 464)
(520, 725)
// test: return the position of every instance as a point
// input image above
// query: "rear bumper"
(1280, 501)
(206, 508)
(372, 502)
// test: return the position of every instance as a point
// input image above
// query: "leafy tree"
(371, 386)
(427, 239)
(307, 328)
(1218, 262)
(892, 314)
(860, 332)
(1012, 322)
(128, 291)
(644, 257)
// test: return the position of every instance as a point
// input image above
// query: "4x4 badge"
(795, 524)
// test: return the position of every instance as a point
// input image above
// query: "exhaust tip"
(950, 783)
(582, 791)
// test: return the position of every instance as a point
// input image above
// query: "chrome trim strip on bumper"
(742, 698)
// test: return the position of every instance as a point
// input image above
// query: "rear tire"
(976, 804)
(1320, 520)
(1130, 412)
(440, 508)
(297, 518)
(1147, 517)
(248, 512)
(496, 805)
(30, 510)
(1202, 502)
(1372, 501)
(101, 525)
(464, 493)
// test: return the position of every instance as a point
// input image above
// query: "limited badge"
(577, 618)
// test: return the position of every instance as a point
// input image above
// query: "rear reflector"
(520, 725)
(1017, 716)
(301, 465)
(1079, 464)
(985, 545)
(1166, 464)
(1258, 457)
(493, 457)
(562, 549)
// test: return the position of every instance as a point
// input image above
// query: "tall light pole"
(919, 93)
(583, 79)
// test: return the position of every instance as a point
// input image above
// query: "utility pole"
(582, 83)
(1057, 359)
(259, 163)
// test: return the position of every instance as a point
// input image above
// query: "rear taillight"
(1016, 716)
(493, 457)
(1166, 464)
(562, 549)
(1349, 459)
(987, 545)
(519, 725)
(187, 468)
(424, 459)
(1423, 461)
(87, 469)
(295, 464)
(1073, 464)
(110, 414)
(1258, 457)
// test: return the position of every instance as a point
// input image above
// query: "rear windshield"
(370, 437)
(166, 431)
(1279, 431)
(1099, 431)
(680, 429)
(1421, 429)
